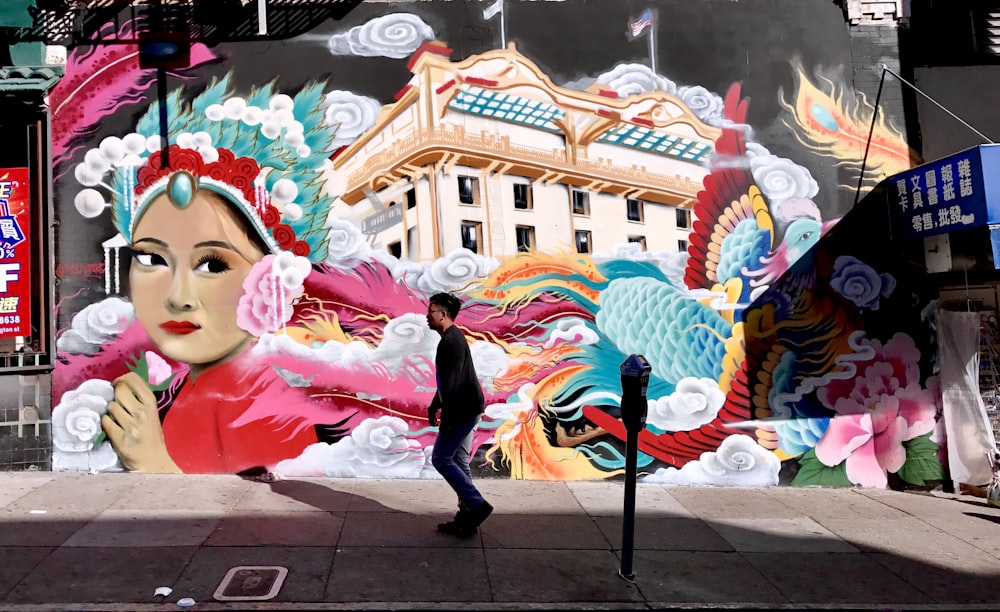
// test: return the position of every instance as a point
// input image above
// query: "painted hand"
(132, 425)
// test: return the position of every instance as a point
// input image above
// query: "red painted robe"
(204, 431)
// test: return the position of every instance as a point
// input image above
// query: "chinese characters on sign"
(937, 198)
(15, 255)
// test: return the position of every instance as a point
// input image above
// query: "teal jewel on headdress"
(181, 189)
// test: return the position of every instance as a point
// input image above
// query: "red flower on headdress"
(301, 249)
(271, 217)
(237, 172)
(284, 236)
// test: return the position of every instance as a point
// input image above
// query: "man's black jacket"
(459, 396)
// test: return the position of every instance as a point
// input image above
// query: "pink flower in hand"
(158, 370)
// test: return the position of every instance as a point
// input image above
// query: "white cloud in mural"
(350, 113)
(573, 330)
(519, 402)
(347, 246)
(703, 103)
(407, 344)
(781, 179)
(490, 361)
(376, 448)
(630, 79)
(96, 325)
(694, 402)
(451, 272)
(738, 462)
(405, 339)
(396, 35)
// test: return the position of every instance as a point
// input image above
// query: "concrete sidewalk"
(99, 542)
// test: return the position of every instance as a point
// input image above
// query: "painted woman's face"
(187, 277)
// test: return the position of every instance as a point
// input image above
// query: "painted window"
(581, 203)
(583, 242)
(638, 240)
(682, 245)
(411, 198)
(468, 190)
(472, 236)
(522, 196)
(634, 210)
(683, 218)
(396, 248)
(525, 238)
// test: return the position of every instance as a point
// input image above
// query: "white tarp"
(970, 436)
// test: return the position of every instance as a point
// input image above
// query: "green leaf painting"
(813, 473)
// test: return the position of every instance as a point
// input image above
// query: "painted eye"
(148, 259)
(805, 236)
(212, 265)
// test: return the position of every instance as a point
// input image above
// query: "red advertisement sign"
(15, 253)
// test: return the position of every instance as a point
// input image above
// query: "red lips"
(180, 328)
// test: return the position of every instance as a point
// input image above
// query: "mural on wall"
(267, 274)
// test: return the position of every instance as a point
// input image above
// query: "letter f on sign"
(8, 274)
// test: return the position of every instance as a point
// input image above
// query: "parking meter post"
(635, 377)
(628, 509)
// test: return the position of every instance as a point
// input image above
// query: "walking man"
(459, 399)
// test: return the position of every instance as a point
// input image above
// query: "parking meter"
(635, 378)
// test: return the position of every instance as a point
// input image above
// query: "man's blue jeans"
(450, 458)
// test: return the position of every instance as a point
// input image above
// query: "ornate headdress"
(264, 153)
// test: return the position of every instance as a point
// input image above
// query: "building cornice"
(876, 12)
(29, 78)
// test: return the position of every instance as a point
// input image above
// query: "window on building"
(396, 248)
(411, 198)
(583, 242)
(468, 190)
(638, 240)
(581, 203)
(682, 246)
(683, 218)
(472, 236)
(634, 211)
(525, 238)
(522, 196)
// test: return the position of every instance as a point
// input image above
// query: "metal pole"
(503, 26)
(652, 44)
(628, 512)
(161, 92)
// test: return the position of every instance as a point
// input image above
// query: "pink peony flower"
(157, 369)
(877, 410)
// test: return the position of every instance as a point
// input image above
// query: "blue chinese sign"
(953, 193)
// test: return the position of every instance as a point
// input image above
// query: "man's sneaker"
(454, 526)
(476, 516)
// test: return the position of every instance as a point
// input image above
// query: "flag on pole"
(637, 27)
(491, 11)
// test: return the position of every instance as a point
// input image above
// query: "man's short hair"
(449, 302)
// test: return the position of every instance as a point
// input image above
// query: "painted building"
(489, 155)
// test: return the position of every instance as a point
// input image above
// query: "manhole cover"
(251, 583)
